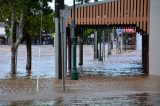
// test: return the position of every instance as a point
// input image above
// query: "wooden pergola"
(114, 13)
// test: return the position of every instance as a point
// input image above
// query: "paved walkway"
(88, 90)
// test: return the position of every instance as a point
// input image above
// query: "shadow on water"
(143, 99)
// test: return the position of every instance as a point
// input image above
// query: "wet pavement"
(117, 81)
(128, 100)
(87, 91)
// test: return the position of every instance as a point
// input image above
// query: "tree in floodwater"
(34, 23)
(13, 14)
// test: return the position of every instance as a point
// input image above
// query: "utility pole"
(103, 52)
(59, 4)
(74, 72)
(63, 46)
(100, 47)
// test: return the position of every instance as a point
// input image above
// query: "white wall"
(154, 39)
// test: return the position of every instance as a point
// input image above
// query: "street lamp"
(59, 4)
(74, 72)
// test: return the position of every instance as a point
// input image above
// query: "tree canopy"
(31, 10)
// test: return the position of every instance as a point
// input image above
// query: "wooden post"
(81, 47)
(95, 45)
(145, 53)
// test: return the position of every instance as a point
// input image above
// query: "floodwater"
(125, 64)
(46, 60)
(115, 82)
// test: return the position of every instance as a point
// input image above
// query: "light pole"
(59, 4)
(74, 72)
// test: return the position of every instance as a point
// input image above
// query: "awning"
(129, 31)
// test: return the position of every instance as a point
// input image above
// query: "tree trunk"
(14, 41)
(13, 60)
(29, 52)
(13, 48)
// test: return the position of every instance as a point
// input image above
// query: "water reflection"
(143, 99)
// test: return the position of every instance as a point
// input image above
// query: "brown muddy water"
(87, 91)
(118, 81)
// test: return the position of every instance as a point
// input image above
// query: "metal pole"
(125, 42)
(95, 45)
(59, 4)
(103, 46)
(81, 47)
(62, 49)
(100, 48)
(109, 47)
(74, 72)
(40, 38)
(65, 47)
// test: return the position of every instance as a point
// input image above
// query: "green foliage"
(87, 33)
(108, 31)
(39, 14)
(33, 24)
(32, 14)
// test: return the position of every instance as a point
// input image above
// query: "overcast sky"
(67, 2)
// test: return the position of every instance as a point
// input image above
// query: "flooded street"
(125, 64)
(116, 81)
(46, 60)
